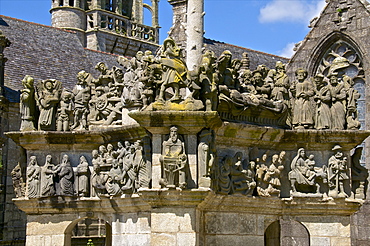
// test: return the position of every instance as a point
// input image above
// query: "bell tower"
(70, 15)
(113, 26)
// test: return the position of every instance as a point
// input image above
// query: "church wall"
(15, 219)
(348, 21)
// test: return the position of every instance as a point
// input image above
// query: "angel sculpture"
(47, 98)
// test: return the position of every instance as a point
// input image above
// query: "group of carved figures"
(305, 177)
(52, 179)
(125, 169)
(149, 79)
(259, 178)
(120, 171)
(113, 173)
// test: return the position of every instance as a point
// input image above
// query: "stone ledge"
(203, 200)
(251, 135)
(84, 140)
(277, 206)
(188, 121)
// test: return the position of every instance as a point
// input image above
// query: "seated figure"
(173, 160)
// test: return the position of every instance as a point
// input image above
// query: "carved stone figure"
(98, 179)
(82, 96)
(47, 98)
(83, 176)
(302, 174)
(66, 178)
(115, 179)
(206, 156)
(280, 91)
(27, 105)
(65, 111)
(224, 180)
(241, 182)
(141, 165)
(173, 160)
(47, 177)
(174, 70)
(359, 175)
(352, 96)
(105, 76)
(129, 171)
(208, 92)
(33, 178)
(273, 176)
(338, 97)
(338, 174)
(302, 90)
(18, 183)
(323, 103)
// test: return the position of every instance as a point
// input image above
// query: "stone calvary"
(152, 139)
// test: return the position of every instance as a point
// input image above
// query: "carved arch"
(323, 46)
(286, 232)
(152, 12)
(72, 225)
(147, 6)
(342, 53)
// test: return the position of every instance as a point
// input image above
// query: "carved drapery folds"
(327, 99)
(173, 160)
(125, 169)
(111, 171)
(342, 60)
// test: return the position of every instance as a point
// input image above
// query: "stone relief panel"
(112, 172)
(305, 177)
(116, 171)
(259, 173)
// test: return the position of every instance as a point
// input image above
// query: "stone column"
(194, 32)
(137, 11)
(155, 22)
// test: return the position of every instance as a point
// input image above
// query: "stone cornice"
(81, 140)
(147, 199)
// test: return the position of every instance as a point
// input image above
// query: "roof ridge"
(257, 51)
(98, 51)
(34, 23)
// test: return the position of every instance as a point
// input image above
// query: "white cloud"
(287, 51)
(285, 10)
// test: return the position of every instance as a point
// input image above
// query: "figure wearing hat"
(174, 70)
(338, 176)
(82, 96)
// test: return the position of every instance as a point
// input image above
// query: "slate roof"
(256, 57)
(45, 52)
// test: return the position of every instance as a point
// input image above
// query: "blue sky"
(271, 26)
